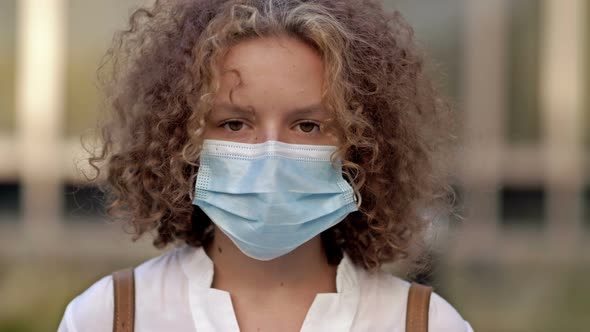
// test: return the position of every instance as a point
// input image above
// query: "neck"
(305, 268)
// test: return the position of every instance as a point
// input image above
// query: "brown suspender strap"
(124, 289)
(124, 314)
(417, 308)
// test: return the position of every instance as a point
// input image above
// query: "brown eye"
(308, 127)
(234, 125)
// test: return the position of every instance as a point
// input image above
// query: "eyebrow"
(250, 111)
(307, 110)
(237, 109)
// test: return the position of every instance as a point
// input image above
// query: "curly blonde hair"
(159, 77)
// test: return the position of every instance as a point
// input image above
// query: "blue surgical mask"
(272, 197)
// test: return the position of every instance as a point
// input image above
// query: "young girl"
(289, 149)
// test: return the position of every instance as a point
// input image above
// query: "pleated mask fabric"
(270, 198)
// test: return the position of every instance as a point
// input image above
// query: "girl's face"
(270, 89)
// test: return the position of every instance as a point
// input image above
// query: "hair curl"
(158, 78)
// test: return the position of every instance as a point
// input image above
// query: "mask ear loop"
(358, 198)
(337, 162)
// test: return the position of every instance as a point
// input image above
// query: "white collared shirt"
(173, 293)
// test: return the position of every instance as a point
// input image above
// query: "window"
(522, 206)
(91, 25)
(83, 204)
(438, 26)
(523, 61)
(7, 64)
(10, 202)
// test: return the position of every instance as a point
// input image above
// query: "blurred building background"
(516, 71)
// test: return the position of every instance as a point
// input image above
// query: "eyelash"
(224, 123)
(316, 125)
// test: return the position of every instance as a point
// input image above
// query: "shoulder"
(94, 305)
(443, 317)
(385, 289)
(92, 310)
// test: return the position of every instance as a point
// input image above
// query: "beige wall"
(41, 152)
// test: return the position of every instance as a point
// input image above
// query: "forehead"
(272, 71)
(288, 53)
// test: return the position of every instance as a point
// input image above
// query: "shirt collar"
(198, 268)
